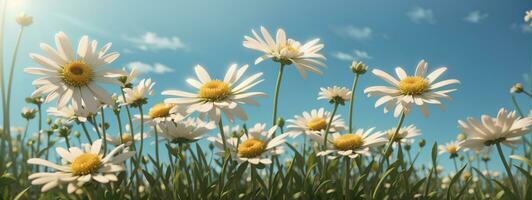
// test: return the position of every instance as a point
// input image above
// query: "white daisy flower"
(287, 51)
(127, 81)
(528, 15)
(451, 148)
(314, 122)
(256, 147)
(350, 144)
(70, 75)
(72, 112)
(335, 93)
(507, 128)
(408, 90)
(24, 19)
(184, 131)
(163, 112)
(214, 97)
(137, 95)
(405, 134)
(81, 166)
(127, 138)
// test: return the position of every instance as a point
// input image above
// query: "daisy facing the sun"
(73, 76)
(81, 165)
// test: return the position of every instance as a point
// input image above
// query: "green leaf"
(20, 194)
(455, 178)
(6, 180)
(381, 181)
(522, 159)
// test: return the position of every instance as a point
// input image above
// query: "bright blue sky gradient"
(487, 57)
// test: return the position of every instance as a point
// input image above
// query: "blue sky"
(483, 43)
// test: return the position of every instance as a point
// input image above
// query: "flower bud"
(422, 143)
(23, 19)
(77, 134)
(358, 67)
(517, 88)
(280, 122)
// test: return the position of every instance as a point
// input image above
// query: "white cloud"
(476, 16)
(356, 55)
(151, 41)
(358, 33)
(421, 15)
(156, 68)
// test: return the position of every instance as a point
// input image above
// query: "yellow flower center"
(290, 48)
(466, 176)
(86, 163)
(398, 136)
(348, 142)
(413, 85)
(214, 91)
(77, 74)
(452, 149)
(126, 138)
(160, 110)
(251, 148)
(317, 124)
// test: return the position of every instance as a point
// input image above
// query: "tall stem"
(352, 102)
(508, 170)
(222, 134)
(104, 132)
(157, 146)
(86, 132)
(276, 94)
(141, 133)
(389, 146)
(2, 86)
(329, 126)
(10, 77)
(346, 180)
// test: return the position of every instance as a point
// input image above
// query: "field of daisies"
(74, 155)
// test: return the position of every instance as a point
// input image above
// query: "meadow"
(74, 155)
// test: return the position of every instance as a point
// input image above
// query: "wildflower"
(358, 67)
(419, 89)
(127, 81)
(127, 137)
(287, 51)
(451, 148)
(163, 112)
(350, 144)
(215, 97)
(404, 134)
(27, 113)
(82, 165)
(335, 94)
(72, 112)
(185, 131)
(314, 121)
(517, 88)
(136, 96)
(74, 78)
(24, 19)
(507, 128)
(256, 147)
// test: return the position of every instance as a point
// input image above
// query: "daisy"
(80, 166)
(350, 144)
(70, 75)
(335, 94)
(127, 138)
(214, 97)
(72, 112)
(287, 51)
(185, 131)
(418, 89)
(256, 147)
(24, 19)
(528, 15)
(163, 112)
(451, 148)
(137, 95)
(405, 134)
(314, 122)
(507, 128)
(127, 81)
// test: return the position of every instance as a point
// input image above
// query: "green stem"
(253, 174)
(157, 146)
(86, 132)
(490, 184)
(141, 132)
(352, 102)
(222, 134)
(508, 170)
(67, 142)
(2, 86)
(104, 132)
(388, 150)
(329, 125)
(346, 178)
(276, 94)
(528, 94)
